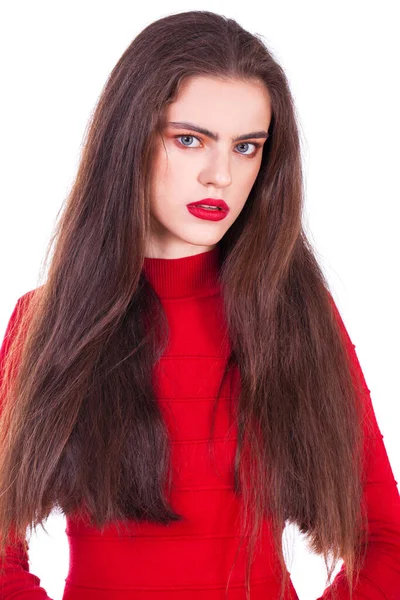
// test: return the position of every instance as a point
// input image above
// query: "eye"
(256, 146)
(186, 135)
(193, 137)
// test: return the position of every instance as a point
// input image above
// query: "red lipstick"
(199, 209)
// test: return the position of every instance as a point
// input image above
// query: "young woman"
(181, 385)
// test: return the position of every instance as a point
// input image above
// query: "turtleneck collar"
(177, 278)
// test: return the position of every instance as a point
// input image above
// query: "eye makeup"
(180, 145)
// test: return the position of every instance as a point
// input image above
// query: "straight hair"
(80, 428)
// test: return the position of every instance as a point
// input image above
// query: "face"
(190, 166)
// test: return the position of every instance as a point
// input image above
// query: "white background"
(342, 61)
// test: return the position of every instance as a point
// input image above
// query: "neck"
(174, 278)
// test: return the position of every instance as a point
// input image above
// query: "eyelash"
(257, 146)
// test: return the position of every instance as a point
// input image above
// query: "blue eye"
(186, 135)
(251, 144)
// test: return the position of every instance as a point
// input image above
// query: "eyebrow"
(215, 136)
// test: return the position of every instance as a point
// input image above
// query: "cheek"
(252, 176)
(248, 178)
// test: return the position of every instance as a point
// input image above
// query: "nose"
(217, 171)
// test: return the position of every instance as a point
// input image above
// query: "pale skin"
(193, 166)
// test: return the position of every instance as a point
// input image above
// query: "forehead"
(213, 102)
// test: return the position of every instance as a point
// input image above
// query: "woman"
(182, 384)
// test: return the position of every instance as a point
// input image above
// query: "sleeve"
(17, 582)
(380, 576)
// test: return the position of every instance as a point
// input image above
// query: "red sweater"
(192, 559)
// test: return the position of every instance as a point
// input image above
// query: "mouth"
(207, 206)
(208, 214)
(214, 204)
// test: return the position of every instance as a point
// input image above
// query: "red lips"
(211, 202)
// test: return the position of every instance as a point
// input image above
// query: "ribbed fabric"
(182, 278)
(192, 559)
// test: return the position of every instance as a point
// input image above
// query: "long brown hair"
(80, 424)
